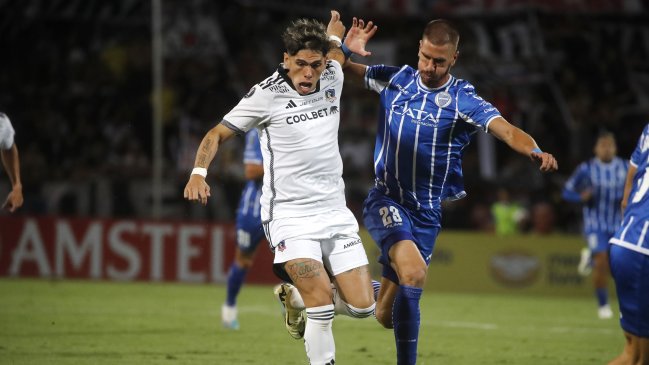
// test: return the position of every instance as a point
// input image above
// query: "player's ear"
(457, 53)
(286, 59)
(420, 42)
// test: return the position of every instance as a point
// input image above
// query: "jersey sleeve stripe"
(232, 127)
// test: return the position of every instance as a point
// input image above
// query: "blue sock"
(376, 286)
(602, 296)
(405, 316)
(236, 276)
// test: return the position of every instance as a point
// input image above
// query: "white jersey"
(299, 143)
(6, 132)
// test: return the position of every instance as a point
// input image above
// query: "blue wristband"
(537, 150)
(346, 51)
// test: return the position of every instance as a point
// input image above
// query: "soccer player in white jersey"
(306, 221)
(629, 257)
(11, 163)
(427, 118)
(598, 184)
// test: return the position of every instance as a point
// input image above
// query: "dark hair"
(306, 34)
(605, 134)
(440, 32)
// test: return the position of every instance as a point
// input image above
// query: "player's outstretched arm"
(522, 143)
(11, 162)
(197, 188)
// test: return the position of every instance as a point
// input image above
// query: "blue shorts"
(598, 241)
(388, 222)
(630, 270)
(249, 232)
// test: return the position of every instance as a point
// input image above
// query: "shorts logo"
(352, 243)
(330, 94)
(443, 99)
(282, 246)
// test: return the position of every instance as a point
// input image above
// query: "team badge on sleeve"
(443, 99)
(249, 94)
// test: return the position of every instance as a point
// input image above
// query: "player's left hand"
(358, 35)
(336, 26)
(546, 161)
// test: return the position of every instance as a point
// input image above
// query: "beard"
(432, 80)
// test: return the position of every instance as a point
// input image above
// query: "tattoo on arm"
(304, 270)
(202, 159)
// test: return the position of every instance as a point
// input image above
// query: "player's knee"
(413, 276)
(316, 295)
(384, 317)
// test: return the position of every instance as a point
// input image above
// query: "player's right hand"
(14, 200)
(197, 189)
(335, 26)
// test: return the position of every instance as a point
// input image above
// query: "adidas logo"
(291, 104)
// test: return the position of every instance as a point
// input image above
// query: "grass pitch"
(85, 322)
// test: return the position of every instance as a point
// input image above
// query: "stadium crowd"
(77, 87)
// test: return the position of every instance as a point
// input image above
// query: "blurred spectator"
(79, 77)
(508, 215)
(543, 218)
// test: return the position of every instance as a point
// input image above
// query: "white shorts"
(330, 238)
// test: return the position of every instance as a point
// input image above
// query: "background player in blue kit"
(426, 120)
(629, 257)
(249, 228)
(599, 184)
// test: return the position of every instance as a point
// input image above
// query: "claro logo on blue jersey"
(418, 116)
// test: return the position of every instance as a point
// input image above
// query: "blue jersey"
(422, 134)
(606, 181)
(634, 232)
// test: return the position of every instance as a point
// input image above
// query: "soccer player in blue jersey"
(249, 228)
(599, 185)
(426, 121)
(629, 255)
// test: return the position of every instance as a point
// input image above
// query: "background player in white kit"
(11, 163)
(313, 234)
